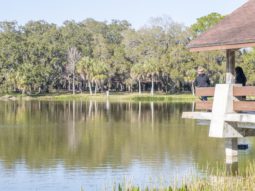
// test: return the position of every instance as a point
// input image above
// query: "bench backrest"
(237, 92)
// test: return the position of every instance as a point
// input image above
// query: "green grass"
(212, 181)
(102, 96)
(174, 97)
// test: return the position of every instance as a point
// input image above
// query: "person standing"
(202, 80)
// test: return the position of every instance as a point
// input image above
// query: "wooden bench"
(242, 105)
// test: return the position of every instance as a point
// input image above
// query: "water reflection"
(99, 131)
(104, 138)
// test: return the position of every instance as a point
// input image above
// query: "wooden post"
(231, 156)
(230, 67)
(231, 147)
(230, 144)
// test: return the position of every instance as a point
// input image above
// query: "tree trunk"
(90, 89)
(73, 85)
(69, 84)
(95, 88)
(80, 85)
(192, 88)
(167, 79)
(152, 85)
(139, 86)
(121, 87)
(39, 90)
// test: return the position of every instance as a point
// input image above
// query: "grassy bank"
(101, 97)
(219, 181)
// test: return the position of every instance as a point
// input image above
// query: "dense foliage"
(35, 58)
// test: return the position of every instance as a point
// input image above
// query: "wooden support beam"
(204, 91)
(240, 118)
(244, 91)
(230, 66)
(221, 47)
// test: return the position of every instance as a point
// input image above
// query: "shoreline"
(135, 97)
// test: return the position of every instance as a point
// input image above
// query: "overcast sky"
(137, 12)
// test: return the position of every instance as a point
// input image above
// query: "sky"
(137, 12)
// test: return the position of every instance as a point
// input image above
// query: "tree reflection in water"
(97, 134)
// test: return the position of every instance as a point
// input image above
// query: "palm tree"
(93, 70)
(152, 68)
(85, 69)
(99, 73)
(137, 72)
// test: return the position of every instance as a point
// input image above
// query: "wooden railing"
(242, 105)
(204, 105)
(206, 91)
(244, 91)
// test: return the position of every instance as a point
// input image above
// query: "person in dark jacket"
(240, 77)
(202, 80)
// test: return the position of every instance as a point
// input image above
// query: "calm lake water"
(69, 145)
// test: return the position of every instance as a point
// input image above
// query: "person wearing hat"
(202, 80)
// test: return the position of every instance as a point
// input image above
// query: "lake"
(74, 145)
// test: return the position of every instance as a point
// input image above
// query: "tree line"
(94, 56)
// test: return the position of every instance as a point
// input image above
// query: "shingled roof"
(235, 31)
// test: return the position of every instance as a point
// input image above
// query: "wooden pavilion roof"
(236, 30)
